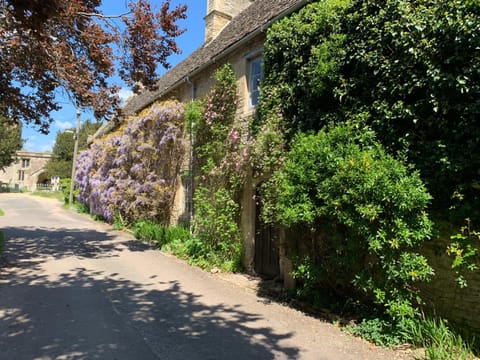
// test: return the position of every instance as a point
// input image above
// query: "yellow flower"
(394, 244)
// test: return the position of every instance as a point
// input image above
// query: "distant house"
(234, 34)
(27, 171)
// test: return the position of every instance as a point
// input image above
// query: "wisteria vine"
(131, 174)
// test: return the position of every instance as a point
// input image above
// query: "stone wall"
(444, 296)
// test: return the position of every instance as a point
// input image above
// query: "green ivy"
(412, 67)
(464, 248)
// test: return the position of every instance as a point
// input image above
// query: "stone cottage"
(27, 171)
(235, 32)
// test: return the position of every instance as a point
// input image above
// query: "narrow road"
(71, 288)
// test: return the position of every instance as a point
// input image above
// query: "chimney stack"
(220, 13)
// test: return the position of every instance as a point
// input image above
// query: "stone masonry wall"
(444, 296)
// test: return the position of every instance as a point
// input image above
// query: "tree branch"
(101, 16)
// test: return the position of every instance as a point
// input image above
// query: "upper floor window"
(255, 77)
(25, 163)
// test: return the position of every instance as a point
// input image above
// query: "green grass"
(2, 213)
(440, 341)
(58, 195)
(435, 336)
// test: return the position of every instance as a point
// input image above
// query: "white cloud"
(63, 125)
(124, 94)
(30, 143)
(38, 143)
(47, 147)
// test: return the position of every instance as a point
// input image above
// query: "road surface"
(72, 288)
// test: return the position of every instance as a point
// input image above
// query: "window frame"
(252, 77)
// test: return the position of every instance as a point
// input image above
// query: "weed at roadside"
(439, 340)
(434, 335)
(178, 241)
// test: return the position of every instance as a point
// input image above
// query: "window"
(255, 76)
(21, 175)
(25, 163)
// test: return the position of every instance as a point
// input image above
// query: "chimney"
(220, 13)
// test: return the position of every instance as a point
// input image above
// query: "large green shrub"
(365, 211)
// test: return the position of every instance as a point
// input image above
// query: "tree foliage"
(302, 57)
(10, 142)
(60, 164)
(51, 44)
(414, 66)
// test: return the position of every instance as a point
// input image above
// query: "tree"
(71, 45)
(61, 162)
(11, 141)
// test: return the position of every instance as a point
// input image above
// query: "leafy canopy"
(60, 164)
(51, 44)
(10, 142)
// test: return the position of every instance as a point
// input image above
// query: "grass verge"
(58, 195)
(178, 241)
(438, 339)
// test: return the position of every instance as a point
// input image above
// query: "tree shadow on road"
(31, 244)
(86, 314)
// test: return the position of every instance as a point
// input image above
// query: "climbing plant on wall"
(342, 191)
(413, 67)
(131, 174)
(222, 154)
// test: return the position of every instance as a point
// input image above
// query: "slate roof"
(253, 19)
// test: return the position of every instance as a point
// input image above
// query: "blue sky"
(188, 42)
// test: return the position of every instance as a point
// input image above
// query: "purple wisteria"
(131, 174)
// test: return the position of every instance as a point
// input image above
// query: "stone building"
(235, 32)
(26, 172)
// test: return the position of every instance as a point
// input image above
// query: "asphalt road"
(71, 288)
